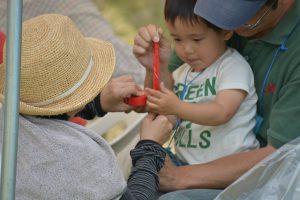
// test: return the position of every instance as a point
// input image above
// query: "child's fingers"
(152, 92)
(153, 100)
(154, 32)
(138, 50)
(152, 107)
(164, 89)
(142, 42)
(144, 33)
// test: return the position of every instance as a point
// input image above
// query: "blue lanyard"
(283, 48)
(182, 95)
(185, 87)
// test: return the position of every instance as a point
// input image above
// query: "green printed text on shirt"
(193, 91)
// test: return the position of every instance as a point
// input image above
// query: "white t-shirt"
(200, 144)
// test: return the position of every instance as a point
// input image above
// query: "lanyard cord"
(283, 48)
(182, 95)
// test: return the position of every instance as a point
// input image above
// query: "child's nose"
(188, 49)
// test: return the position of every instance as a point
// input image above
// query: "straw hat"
(61, 70)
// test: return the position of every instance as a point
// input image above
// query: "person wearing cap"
(213, 96)
(267, 35)
(61, 72)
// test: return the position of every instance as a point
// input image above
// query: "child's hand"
(143, 46)
(163, 102)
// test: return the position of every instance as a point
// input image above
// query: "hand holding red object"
(136, 101)
(141, 100)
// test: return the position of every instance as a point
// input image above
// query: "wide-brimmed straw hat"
(61, 70)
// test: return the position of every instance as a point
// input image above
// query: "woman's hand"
(113, 94)
(156, 128)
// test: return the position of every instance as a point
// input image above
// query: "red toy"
(141, 100)
(136, 101)
(78, 120)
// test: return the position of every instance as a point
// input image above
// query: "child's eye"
(176, 39)
(198, 39)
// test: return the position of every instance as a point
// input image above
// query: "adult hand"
(143, 46)
(163, 102)
(113, 94)
(218, 173)
(168, 179)
(156, 127)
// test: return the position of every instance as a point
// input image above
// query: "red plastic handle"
(136, 101)
(156, 66)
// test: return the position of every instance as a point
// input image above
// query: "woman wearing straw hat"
(61, 72)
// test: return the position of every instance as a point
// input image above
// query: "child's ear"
(227, 34)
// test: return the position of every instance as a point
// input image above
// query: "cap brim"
(101, 72)
(228, 14)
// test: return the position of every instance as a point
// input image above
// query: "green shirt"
(281, 97)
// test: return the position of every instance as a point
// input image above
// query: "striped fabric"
(147, 159)
(90, 22)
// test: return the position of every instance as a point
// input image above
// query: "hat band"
(70, 91)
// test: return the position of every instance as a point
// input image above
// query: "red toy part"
(141, 100)
(2, 41)
(156, 66)
(78, 120)
(136, 101)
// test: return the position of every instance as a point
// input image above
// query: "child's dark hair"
(184, 10)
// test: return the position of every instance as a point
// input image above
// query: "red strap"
(156, 66)
(78, 120)
(136, 101)
(2, 41)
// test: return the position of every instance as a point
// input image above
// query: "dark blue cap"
(228, 14)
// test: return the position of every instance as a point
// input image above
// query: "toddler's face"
(197, 44)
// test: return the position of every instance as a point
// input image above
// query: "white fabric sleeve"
(235, 73)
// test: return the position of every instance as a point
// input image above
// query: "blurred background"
(127, 16)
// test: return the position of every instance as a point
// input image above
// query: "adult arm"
(215, 174)
(148, 158)
(111, 99)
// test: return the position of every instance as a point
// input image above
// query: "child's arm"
(217, 112)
